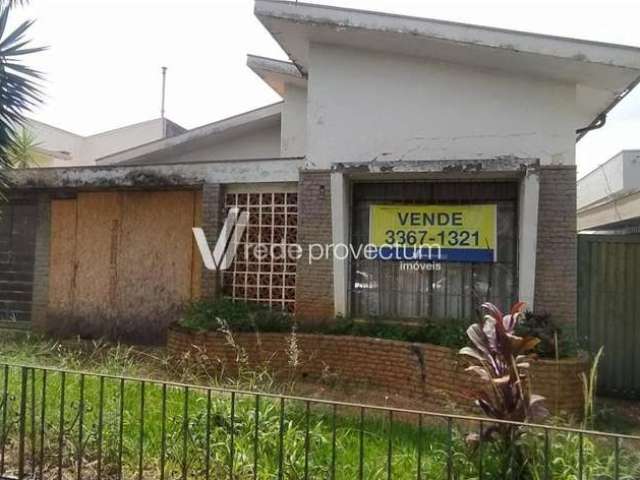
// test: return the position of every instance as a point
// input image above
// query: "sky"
(104, 58)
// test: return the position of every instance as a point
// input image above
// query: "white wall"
(261, 143)
(602, 182)
(67, 149)
(294, 122)
(615, 177)
(105, 143)
(62, 148)
(365, 106)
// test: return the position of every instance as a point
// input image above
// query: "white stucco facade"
(421, 110)
(369, 98)
(294, 122)
(62, 148)
(610, 194)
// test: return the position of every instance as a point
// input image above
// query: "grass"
(207, 429)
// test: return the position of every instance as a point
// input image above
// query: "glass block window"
(267, 275)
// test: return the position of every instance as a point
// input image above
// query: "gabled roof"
(200, 136)
(276, 73)
(603, 72)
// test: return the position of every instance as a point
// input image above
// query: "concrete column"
(340, 207)
(528, 237)
(40, 300)
(212, 219)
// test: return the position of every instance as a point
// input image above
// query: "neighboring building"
(609, 196)
(382, 117)
(61, 148)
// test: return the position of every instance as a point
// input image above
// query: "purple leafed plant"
(502, 359)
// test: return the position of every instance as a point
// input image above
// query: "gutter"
(601, 119)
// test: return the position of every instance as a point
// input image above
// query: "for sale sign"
(453, 233)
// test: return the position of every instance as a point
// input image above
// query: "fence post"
(22, 425)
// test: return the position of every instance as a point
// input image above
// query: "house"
(392, 132)
(61, 148)
(609, 196)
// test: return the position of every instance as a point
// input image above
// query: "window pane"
(385, 288)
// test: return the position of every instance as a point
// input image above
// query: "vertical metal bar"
(185, 431)
(43, 416)
(390, 447)
(617, 459)
(5, 407)
(547, 473)
(22, 414)
(121, 429)
(100, 426)
(163, 431)
(208, 438)
(141, 439)
(256, 437)
(580, 456)
(419, 460)
(306, 439)
(33, 421)
(281, 441)
(361, 453)
(232, 436)
(449, 448)
(80, 427)
(481, 453)
(63, 381)
(333, 441)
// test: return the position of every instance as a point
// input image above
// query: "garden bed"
(433, 375)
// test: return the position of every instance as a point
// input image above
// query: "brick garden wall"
(434, 376)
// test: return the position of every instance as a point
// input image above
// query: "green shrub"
(447, 333)
(203, 315)
(554, 342)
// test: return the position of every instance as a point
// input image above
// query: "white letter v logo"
(227, 244)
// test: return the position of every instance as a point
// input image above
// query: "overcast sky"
(103, 65)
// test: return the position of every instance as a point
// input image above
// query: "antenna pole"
(164, 88)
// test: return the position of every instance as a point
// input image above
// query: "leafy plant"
(446, 332)
(554, 341)
(589, 385)
(204, 315)
(19, 90)
(24, 151)
(501, 359)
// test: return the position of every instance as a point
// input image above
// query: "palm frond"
(20, 88)
(13, 3)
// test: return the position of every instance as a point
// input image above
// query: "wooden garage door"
(122, 263)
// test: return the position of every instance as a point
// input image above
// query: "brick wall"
(556, 260)
(212, 213)
(40, 301)
(433, 376)
(314, 282)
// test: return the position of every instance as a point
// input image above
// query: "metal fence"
(609, 308)
(70, 425)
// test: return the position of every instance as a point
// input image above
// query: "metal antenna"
(164, 87)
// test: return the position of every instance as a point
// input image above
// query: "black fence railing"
(57, 424)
